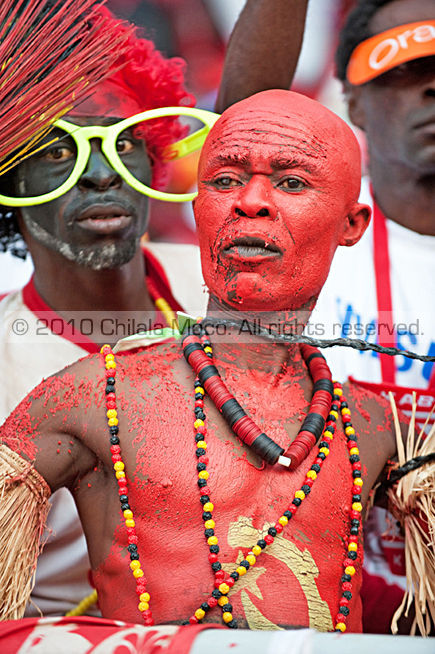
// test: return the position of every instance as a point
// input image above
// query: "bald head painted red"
(302, 123)
(279, 179)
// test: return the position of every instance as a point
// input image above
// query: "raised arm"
(263, 49)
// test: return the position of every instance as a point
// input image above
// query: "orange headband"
(389, 49)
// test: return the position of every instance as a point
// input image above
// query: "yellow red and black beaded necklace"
(223, 582)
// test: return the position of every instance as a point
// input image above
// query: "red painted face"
(279, 177)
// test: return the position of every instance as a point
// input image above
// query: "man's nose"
(255, 199)
(99, 174)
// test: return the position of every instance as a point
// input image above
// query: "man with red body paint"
(88, 267)
(279, 174)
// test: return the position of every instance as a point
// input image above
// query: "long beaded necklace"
(170, 317)
(223, 582)
(119, 469)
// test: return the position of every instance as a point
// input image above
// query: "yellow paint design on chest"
(241, 533)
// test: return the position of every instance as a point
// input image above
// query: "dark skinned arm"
(40, 449)
(263, 49)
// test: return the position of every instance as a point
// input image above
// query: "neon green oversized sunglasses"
(109, 135)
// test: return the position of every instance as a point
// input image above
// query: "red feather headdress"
(52, 52)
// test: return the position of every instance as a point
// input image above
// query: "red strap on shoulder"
(386, 332)
(49, 317)
(157, 280)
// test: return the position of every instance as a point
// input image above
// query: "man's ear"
(353, 95)
(357, 221)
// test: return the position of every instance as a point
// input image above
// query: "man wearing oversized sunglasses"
(82, 223)
(96, 175)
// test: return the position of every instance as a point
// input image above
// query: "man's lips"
(251, 248)
(104, 218)
(426, 122)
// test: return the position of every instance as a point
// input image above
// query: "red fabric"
(380, 601)
(425, 399)
(48, 316)
(387, 336)
(157, 279)
(158, 286)
(66, 634)
(185, 637)
(383, 294)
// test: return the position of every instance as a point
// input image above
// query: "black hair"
(354, 31)
(11, 239)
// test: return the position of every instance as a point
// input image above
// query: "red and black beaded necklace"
(243, 426)
(222, 582)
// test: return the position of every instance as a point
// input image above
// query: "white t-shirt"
(347, 304)
(14, 272)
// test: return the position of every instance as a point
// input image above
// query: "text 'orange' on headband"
(389, 49)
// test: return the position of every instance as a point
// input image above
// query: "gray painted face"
(99, 222)
(97, 257)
